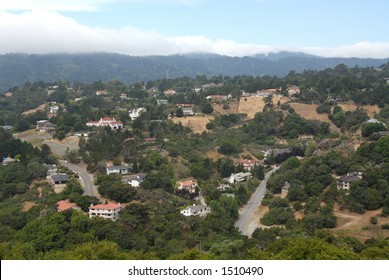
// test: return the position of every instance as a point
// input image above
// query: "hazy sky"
(243, 27)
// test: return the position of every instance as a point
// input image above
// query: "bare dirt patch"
(41, 107)
(233, 108)
(59, 147)
(28, 205)
(196, 123)
(33, 137)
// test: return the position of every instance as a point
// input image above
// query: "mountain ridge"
(18, 68)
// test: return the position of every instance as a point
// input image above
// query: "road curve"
(255, 200)
(86, 178)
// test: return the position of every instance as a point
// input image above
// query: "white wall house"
(195, 210)
(239, 177)
(106, 121)
(135, 113)
(106, 211)
(117, 170)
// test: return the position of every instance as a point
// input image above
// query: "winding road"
(86, 178)
(246, 216)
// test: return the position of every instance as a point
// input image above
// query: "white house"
(106, 121)
(134, 180)
(239, 177)
(54, 109)
(117, 170)
(293, 90)
(195, 210)
(106, 211)
(135, 113)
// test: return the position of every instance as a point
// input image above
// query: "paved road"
(86, 178)
(245, 217)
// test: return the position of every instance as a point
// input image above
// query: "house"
(248, 164)
(162, 102)
(380, 134)
(51, 169)
(195, 210)
(216, 97)
(7, 160)
(285, 189)
(59, 179)
(188, 185)
(54, 109)
(106, 121)
(153, 90)
(246, 94)
(239, 177)
(135, 113)
(375, 121)
(344, 182)
(134, 180)
(123, 96)
(187, 109)
(64, 205)
(292, 90)
(44, 126)
(7, 127)
(169, 92)
(150, 140)
(105, 211)
(223, 187)
(118, 170)
(8, 94)
(101, 92)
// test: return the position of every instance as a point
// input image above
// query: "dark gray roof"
(351, 178)
(60, 178)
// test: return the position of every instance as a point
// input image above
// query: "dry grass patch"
(28, 205)
(308, 111)
(371, 110)
(254, 104)
(41, 107)
(196, 123)
(359, 226)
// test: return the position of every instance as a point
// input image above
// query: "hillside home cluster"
(106, 121)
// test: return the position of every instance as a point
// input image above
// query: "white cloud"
(51, 32)
(52, 5)
(82, 5)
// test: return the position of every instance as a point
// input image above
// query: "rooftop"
(108, 206)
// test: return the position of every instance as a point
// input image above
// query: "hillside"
(16, 69)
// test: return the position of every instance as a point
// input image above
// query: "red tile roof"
(64, 205)
(109, 206)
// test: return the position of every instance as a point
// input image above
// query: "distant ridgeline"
(16, 69)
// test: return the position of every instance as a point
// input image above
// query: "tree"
(179, 112)
(207, 108)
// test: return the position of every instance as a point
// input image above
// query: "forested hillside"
(15, 69)
(329, 198)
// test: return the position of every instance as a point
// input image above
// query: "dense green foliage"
(159, 144)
